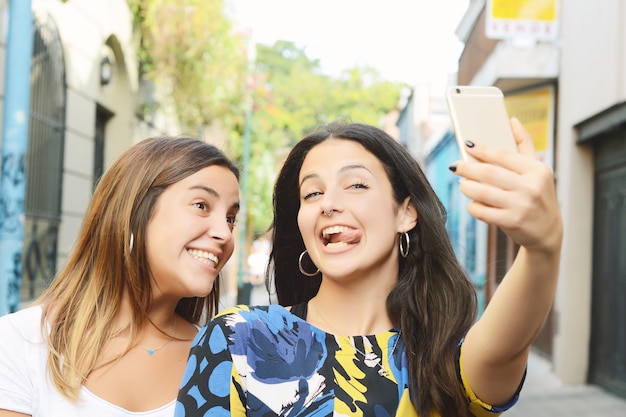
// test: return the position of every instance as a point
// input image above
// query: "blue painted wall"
(469, 236)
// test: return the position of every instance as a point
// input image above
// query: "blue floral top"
(267, 361)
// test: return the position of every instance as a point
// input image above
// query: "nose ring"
(329, 212)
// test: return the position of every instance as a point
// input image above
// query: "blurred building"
(562, 67)
(426, 131)
(83, 114)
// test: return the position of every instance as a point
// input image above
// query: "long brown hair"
(87, 293)
(433, 303)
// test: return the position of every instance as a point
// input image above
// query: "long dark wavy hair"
(433, 302)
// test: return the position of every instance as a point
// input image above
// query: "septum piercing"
(329, 212)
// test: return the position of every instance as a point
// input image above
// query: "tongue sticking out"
(350, 236)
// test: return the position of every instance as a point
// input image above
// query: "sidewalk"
(543, 395)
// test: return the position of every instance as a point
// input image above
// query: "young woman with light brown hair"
(111, 334)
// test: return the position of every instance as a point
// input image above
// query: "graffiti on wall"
(11, 224)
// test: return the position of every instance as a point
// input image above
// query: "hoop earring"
(404, 250)
(308, 274)
(132, 242)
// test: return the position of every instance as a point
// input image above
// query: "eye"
(311, 195)
(360, 185)
(201, 205)
(232, 220)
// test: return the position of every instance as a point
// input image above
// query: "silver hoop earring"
(132, 242)
(308, 274)
(404, 250)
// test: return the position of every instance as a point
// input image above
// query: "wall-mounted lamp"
(106, 70)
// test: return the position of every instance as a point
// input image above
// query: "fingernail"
(452, 167)
(469, 143)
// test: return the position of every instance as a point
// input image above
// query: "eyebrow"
(213, 193)
(343, 169)
(205, 188)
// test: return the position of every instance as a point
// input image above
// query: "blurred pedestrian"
(257, 266)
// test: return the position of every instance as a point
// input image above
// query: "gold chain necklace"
(371, 359)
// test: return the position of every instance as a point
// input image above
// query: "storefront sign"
(534, 19)
(535, 109)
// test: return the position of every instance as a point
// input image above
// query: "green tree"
(304, 97)
(189, 50)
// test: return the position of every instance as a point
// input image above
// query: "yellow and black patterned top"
(267, 361)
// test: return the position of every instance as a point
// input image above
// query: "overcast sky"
(405, 40)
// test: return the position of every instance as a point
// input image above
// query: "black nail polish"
(452, 167)
(469, 143)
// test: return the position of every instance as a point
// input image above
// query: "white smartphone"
(479, 114)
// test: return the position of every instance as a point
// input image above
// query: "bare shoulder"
(6, 413)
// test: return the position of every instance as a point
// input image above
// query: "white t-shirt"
(24, 383)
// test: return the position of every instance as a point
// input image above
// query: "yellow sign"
(542, 10)
(536, 19)
(535, 109)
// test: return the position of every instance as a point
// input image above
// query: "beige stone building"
(83, 114)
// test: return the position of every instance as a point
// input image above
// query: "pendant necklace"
(370, 359)
(172, 337)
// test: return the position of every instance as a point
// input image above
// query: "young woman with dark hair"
(376, 316)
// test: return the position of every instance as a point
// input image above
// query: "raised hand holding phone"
(516, 192)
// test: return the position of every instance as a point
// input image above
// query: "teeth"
(204, 257)
(334, 229)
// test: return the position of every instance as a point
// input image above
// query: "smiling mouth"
(339, 236)
(206, 258)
